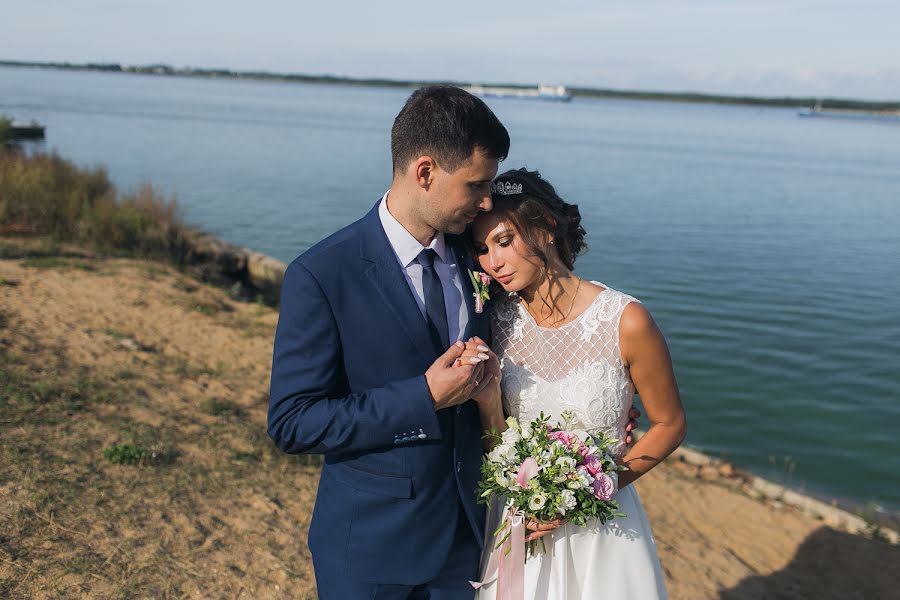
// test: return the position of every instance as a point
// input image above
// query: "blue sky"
(761, 47)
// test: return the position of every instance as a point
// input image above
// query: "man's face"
(455, 199)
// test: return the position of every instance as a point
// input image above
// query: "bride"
(565, 343)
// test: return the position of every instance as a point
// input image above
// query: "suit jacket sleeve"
(310, 409)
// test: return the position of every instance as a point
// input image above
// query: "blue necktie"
(435, 308)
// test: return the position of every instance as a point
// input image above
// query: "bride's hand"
(542, 528)
(476, 351)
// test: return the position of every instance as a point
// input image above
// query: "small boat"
(25, 131)
(557, 93)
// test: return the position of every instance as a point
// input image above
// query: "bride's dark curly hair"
(539, 215)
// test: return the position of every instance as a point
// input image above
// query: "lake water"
(767, 247)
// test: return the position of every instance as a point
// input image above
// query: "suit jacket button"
(422, 436)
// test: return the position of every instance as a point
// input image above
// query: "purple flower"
(593, 464)
(604, 486)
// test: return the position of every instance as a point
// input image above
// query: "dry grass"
(134, 461)
(131, 467)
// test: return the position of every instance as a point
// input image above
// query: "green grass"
(124, 454)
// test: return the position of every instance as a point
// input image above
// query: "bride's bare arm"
(647, 358)
(487, 392)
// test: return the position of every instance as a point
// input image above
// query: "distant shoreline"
(576, 91)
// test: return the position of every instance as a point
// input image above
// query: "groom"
(362, 372)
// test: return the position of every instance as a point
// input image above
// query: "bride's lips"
(504, 279)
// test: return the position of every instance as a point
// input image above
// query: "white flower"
(502, 454)
(574, 484)
(527, 433)
(584, 477)
(537, 501)
(512, 423)
(502, 480)
(566, 463)
(567, 501)
(510, 436)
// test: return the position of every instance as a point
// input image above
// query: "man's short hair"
(446, 123)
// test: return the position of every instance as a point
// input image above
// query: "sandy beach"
(102, 357)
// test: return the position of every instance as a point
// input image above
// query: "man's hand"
(633, 416)
(450, 386)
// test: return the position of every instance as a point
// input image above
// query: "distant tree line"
(587, 92)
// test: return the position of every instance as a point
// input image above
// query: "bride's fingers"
(544, 525)
(473, 357)
(483, 384)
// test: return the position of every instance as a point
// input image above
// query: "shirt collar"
(407, 247)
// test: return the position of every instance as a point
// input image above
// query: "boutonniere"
(482, 282)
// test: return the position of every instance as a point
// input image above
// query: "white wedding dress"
(576, 367)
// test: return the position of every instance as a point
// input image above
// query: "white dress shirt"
(407, 249)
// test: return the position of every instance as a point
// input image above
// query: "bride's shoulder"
(609, 300)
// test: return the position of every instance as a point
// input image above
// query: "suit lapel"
(386, 276)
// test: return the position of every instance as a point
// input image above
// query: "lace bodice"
(576, 367)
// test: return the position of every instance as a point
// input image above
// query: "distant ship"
(859, 115)
(557, 93)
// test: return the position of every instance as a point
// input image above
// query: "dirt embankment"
(134, 460)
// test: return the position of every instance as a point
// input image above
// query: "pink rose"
(604, 486)
(561, 436)
(485, 278)
(527, 470)
(584, 450)
(593, 464)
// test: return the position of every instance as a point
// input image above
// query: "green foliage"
(139, 454)
(124, 454)
(46, 194)
(5, 124)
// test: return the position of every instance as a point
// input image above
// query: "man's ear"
(424, 169)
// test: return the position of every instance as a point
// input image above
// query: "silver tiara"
(506, 188)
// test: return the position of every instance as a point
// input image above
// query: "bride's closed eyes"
(481, 249)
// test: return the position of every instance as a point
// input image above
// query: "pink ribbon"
(507, 563)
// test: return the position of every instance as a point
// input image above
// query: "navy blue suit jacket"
(351, 351)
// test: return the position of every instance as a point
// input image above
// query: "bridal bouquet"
(548, 472)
